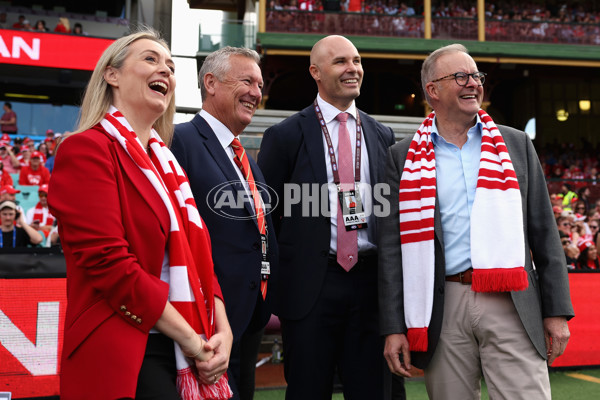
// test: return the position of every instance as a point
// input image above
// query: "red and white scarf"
(42, 214)
(497, 238)
(189, 248)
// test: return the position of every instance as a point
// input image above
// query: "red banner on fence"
(584, 347)
(50, 50)
(32, 314)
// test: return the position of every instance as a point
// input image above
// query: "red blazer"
(114, 228)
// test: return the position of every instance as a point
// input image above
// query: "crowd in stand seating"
(568, 22)
(29, 164)
(578, 222)
(566, 161)
(574, 187)
(60, 20)
(63, 25)
(567, 11)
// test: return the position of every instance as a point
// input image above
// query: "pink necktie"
(347, 245)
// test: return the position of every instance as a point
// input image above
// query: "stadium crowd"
(63, 25)
(578, 220)
(26, 165)
(568, 11)
(566, 22)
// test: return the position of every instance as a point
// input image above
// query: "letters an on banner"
(32, 313)
(51, 50)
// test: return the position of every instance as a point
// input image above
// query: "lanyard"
(331, 151)
(14, 239)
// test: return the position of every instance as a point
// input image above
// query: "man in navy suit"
(328, 311)
(244, 253)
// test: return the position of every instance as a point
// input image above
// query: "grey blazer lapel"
(437, 222)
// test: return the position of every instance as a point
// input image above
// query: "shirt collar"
(224, 135)
(330, 112)
(438, 139)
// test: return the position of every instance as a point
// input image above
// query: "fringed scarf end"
(499, 280)
(187, 385)
(417, 339)
(190, 389)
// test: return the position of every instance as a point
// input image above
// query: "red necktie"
(347, 245)
(241, 160)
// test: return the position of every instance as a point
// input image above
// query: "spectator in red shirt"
(588, 256)
(20, 23)
(5, 178)
(43, 148)
(63, 26)
(24, 156)
(8, 120)
(8, 192)
(50, 140)
(11, 164)
(39, 217)
(35, 173)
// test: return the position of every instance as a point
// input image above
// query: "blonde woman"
(145, 318)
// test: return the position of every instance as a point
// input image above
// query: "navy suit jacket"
(293, 152)
(236, 244)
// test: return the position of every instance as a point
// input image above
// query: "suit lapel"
(369, 130)
(221, 158)
(437, 222)
(215, 149)
(313, 138)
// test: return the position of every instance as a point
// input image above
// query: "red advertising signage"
(50, 50)
(32, 313)
(584, 347)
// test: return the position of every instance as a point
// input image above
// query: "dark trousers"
(340, 333)
(158, 373)
(244, 354)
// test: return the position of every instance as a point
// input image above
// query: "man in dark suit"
(232, 202)
(327, 297)
(470, 214)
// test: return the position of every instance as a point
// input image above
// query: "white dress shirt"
(366, 237)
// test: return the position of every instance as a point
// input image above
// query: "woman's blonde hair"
(98, 95)
(65, 22)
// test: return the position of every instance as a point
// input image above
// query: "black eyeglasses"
(462, 78)
(593, 226)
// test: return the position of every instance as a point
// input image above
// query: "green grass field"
(566, 385)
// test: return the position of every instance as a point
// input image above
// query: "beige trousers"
(482, 334)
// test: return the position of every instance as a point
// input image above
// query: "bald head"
(326, 45)
(336, 67)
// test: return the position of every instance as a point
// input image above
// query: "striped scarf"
(38, 215)
(191, 266)
(497, 238)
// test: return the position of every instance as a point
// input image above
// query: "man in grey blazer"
(509, 336)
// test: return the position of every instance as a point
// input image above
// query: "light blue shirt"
(456, 174)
